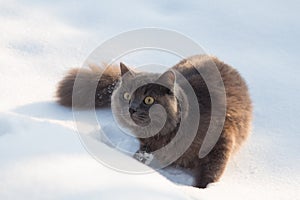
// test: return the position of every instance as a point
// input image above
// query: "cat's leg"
(213, 165)
(143, 155)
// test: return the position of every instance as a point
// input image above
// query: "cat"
(132, 95)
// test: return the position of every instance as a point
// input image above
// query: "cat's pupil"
(126, 96)
(149, 100)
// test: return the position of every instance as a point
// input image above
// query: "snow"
(41, 155)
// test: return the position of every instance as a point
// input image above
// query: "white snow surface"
(41, 156)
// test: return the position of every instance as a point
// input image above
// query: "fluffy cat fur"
(114, 83)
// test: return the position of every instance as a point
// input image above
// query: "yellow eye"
(149, 100)
(126, 96)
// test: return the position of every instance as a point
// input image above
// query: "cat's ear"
(167, 79)
(124, 69)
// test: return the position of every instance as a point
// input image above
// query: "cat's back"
(238, 102)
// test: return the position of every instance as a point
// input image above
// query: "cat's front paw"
(143, 157)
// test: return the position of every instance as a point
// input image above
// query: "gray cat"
(155, 107)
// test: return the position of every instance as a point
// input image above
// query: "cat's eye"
(149, 100)
(126, 96)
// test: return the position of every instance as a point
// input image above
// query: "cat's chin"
(141, 122)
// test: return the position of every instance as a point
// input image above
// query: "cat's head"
(143, 100)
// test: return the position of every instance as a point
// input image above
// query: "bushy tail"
(87, 80)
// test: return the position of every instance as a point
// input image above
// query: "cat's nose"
(132, 110)
(133, 107)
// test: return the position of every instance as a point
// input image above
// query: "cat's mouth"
(140, 119)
